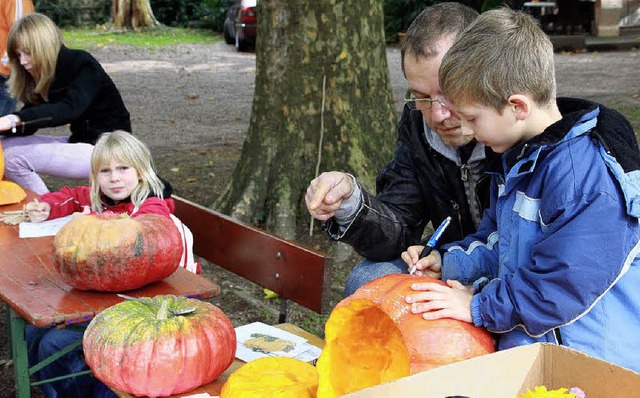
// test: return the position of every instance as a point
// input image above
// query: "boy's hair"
(38, 36)
(504, 52)
(125, 148)
(440, 21)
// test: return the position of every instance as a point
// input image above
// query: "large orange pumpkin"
(142, 350)
(114, 252)
(372, 338)
(10, 192)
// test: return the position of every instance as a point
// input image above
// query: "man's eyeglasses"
(422, 103)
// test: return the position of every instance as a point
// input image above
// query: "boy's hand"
(436, 301)
(430, 266)
(38, 211)
(326, 193)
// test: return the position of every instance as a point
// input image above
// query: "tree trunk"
(300, 44)
(132, 14)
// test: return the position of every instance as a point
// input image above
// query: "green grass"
(85, 38)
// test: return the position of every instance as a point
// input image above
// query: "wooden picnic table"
(35, 293)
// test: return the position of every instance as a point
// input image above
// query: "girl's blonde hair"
(127, 149)
(38, 36)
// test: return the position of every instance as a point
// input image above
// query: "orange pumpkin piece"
(10, 193)
(273, 377)
(373, 338)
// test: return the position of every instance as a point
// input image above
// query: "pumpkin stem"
(163, 312)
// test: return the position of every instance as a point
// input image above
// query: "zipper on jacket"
(464, 172)
(523, 151)
(456, 209)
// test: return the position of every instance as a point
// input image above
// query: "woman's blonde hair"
(124, 148)
(38, 36)
(504, 52)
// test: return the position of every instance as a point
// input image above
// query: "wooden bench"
(291, 270)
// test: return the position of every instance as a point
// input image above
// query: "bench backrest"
(290, 269)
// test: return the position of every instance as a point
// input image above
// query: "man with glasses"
(436, 171)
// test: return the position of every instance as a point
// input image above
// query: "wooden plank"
(288, 268)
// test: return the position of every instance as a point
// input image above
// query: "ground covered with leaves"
(191, 104)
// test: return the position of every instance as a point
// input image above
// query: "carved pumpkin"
(114, 252)
(373, 338)
(10, 192)
(272, 377)
(143, 350)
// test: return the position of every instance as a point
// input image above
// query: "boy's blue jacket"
(560, 243)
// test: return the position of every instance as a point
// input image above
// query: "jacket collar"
(449, 152)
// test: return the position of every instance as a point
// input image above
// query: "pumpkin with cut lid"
(373, 338)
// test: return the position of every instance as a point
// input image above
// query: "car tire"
(241, 45)
(228, 38)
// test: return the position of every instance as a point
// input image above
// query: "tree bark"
(132, 14)
(300, 44)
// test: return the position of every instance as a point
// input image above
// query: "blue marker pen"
(433, 241)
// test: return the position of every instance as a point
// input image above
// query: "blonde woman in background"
(58, 86)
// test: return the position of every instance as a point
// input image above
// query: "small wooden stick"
(11, 212)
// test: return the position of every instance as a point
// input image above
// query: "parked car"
(240, 24)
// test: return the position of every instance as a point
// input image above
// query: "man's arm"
(380, 228)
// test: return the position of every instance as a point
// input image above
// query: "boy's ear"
(520, 105)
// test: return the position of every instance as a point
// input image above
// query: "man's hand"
(429, 266)
(326, 193)
(436, 301)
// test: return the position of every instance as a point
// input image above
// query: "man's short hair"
(504, 52)
(434, 23)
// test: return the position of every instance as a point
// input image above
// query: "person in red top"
(123, 180)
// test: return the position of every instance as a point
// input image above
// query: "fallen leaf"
(269, 294)
(175, 169)
(192, 179)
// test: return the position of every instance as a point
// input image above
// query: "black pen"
(433, 241)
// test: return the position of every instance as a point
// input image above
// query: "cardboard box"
(509, 373)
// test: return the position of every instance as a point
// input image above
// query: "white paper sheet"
(311, 353)
(258, 340)
(45, 228)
